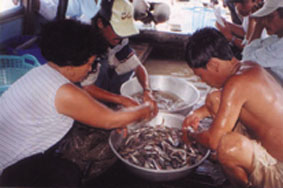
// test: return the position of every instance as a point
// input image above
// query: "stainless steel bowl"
(173, 120)
(177, 86)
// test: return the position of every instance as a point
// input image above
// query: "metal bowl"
(177, 86)
(173, 120)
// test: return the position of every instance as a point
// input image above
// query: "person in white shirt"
(39, 109)
(76, 9)
(268, 52)
(239, 34)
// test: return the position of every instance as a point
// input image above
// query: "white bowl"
(177, 86)
(170, 120)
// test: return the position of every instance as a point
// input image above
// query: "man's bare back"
(263, 109)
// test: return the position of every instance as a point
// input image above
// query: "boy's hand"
(148, 97)
(191, 121)
(225, 30)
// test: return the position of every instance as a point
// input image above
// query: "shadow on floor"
(118, 176)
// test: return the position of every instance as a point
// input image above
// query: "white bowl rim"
(170, 77)
(185, 168)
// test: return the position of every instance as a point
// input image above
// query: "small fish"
(158, 147)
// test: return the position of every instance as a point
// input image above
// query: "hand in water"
(148, 97)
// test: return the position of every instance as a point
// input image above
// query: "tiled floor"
(167, 62)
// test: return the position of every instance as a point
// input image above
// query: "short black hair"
(105, 22)
(280, 12)
(70, 42)
(205, 44)
(104, 13)
(236, 1)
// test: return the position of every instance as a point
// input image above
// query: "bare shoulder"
(248, 74)
(242, 83)
(69, 92)
(70, 95)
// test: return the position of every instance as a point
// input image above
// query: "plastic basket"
(13, 67)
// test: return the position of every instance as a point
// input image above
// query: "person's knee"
(235, 149)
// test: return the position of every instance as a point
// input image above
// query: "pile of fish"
(164, 100)
(159, 148)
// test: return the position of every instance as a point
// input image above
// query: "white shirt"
(245, 25)
(29, 121)
(266, 52)
(127, 63)
(82, 10)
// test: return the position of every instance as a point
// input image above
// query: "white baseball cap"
(120, 14)
(269, 6)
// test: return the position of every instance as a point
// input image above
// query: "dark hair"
(105, 13)
(236, 1)
(205, 44)
(280, 12)
(69, 42)
(105, 22)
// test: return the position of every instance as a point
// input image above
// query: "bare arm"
(76, 103)
(142, 76)
(251, 28)
(257, 31)
(229, 111)
(194, 117)
(235, 29)
(231, 36)
(106, 96)
(143, 79)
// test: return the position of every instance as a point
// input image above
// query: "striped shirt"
(123, 58)
(29, 121)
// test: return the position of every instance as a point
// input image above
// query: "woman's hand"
(128, 102)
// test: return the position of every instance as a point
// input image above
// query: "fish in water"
(165, 100)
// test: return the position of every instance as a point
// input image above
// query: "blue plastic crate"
(13, 67)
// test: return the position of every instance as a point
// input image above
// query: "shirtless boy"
(247, 93)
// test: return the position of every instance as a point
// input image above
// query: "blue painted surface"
(11, 29)
(199, 17)
(32, 49)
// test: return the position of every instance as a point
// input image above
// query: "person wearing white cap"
(115, 21)
(268, 52)
(238, 35)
